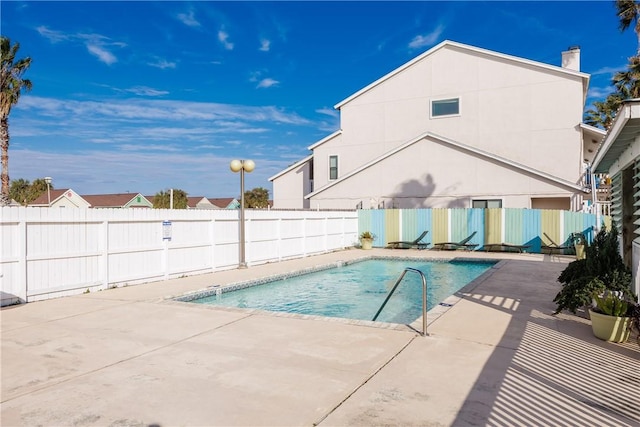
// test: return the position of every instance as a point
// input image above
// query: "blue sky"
(146, 96)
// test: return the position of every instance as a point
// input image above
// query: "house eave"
(614, 143)
(450, 142)
(293, 166)
(448, 43)
(325, 139)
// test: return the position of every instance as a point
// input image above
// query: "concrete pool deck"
(130, 357)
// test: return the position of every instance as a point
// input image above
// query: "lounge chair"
(554, 247)
(504, 247)
(417, 243)
(462, 244)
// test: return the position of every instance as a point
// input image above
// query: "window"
(333, 167)
(486, 204)
(445, 107)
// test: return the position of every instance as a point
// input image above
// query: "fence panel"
(517, 226)
(47, 253)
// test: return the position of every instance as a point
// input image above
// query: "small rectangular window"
(445, 107)
(486, 204)
(333, 167)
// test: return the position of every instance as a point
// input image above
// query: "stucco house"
(61, 198)
(457, 126)
(200, 202)
(67, 198)
(619, 157)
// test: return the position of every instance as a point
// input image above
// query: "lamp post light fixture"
(242, 166)
(47, 179)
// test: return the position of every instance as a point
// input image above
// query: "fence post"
(105, 253)
(22, 255)
(212, 237)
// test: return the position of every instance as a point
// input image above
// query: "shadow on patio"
(551, 370)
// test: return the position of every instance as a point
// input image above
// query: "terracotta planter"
(610, 328)
(366, 243)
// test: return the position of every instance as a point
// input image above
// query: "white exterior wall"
(520, 112)
(421, 179)
(290, 188)
(47, 253)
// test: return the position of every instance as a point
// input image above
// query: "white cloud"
(608, 70)
(189, 19)
(146, 91)
(51, 35)
(223, 37)
(424, 40)
(331, 112)
(162, 64)
(599, 92)
(265, 45)
(101, 53)
(268, 82)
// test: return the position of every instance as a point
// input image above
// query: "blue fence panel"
(378, 222)
(475, 222)
(532, 229)
(424, 223)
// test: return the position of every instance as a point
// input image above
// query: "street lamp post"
(47, 179)
(242, 166)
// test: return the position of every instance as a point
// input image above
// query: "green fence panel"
(459, 224)
(364, 221)
(514, 226)
(410, 228)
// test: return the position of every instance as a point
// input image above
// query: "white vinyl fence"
(47, 252)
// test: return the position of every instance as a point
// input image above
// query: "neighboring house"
(457, 126)
(225, 203)
(62, 198)
(619, 157)
(121, 200)
(200, 203)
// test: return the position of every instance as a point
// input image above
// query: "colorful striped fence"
(515, 226)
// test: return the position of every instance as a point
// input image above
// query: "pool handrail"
(424, 297)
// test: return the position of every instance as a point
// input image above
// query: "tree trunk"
(4, 145)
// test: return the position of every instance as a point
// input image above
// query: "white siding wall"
(48, 252)
(290, 188)
(516, 111)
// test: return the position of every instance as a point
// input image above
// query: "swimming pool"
(353, 290)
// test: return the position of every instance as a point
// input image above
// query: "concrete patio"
(131, 357)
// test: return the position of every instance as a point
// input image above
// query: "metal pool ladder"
(424, 297)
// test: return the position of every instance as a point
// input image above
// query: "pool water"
(356, 290)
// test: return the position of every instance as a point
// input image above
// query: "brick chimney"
(571, 58)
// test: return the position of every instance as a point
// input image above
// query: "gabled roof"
(43, 199)
(118, 200)
(459, 145)
(476, 50)
(223, 202)
(293, 166)
(325, 139)
(623, 132)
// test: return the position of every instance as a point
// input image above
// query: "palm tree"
(628, 12)
(11, 85)
(604, 112)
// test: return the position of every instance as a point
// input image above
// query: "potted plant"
(611, 316)
(366, 240)
(600, 284)
(601, 269)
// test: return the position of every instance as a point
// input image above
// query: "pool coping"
(416, 326)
